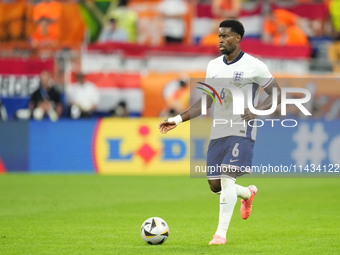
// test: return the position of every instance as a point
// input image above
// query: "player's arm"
(195, 109)
(192, 112)
(267, 103)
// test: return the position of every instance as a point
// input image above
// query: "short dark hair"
(235, 26)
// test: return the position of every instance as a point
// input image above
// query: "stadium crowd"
(47, 22)
(50, 29)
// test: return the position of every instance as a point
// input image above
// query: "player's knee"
(215, 186)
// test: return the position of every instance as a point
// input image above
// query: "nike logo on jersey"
(234, 160)
(214, 76)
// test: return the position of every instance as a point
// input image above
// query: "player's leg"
(228, 198)
(238, 154)
(245, 193)
(215, 185)
(215, 156)
(243, 156)
(242, 192)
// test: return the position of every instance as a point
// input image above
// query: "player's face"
(228, 40)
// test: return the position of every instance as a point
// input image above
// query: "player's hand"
(248, 115)
(166, 126)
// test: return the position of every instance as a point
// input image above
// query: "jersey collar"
(235, 60)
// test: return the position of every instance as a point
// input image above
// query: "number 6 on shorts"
(235, 151)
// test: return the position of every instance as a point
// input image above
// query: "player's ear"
(238, 38)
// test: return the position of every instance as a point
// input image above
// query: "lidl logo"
(135, 146)
(172, 148)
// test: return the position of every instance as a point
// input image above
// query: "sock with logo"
(227, 203)
(242, 192)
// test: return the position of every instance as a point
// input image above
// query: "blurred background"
(84, 84)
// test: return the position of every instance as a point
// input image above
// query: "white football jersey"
(245, 72)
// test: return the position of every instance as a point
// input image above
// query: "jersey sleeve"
(261, 75)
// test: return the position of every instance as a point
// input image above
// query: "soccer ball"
(154, 230)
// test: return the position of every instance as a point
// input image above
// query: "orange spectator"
(50, 10)
(209, 40)
(286, 17)
(226, 9)
(181, 99)
(291, 35)
(177, 96)
(212, 38)
(44, 35)
(280, 27)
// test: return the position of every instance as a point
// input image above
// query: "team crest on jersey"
(238, 76)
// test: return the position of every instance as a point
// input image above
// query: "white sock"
(242, 192)
(227, 203)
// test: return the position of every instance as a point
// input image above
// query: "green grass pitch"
(91, 214)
